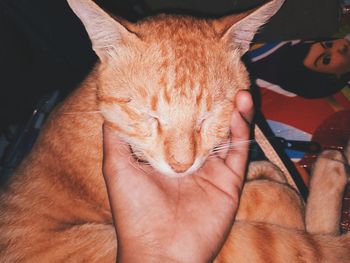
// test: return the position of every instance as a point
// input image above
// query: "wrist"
(135, 256)
(148, 254)
(145, 259)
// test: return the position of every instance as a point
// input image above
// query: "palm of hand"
(174, 219)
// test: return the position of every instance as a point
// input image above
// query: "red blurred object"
(333, 133)
(326, 120)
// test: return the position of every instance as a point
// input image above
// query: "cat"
(274, 225)
(166, 85)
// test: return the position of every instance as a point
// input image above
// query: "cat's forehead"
(175, 27)
(186, 41)
(180, 57)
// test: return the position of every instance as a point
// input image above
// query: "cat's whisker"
(133, 146)
(226, 150)
(140, 157)
(137, 150)
(136, 165)
(232, 145)
(217, 151)
(139, 154)
(250, 148)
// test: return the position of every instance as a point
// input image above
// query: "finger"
(118, 170)
(224, 146)
(244, 104)
(240, 130)
(216, 172)
(228, 174)
(117, 155)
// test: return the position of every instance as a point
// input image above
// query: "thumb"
(117, 155)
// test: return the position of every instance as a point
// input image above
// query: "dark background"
(43, 46)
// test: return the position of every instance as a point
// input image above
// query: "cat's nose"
(180, 167)
(180, 152)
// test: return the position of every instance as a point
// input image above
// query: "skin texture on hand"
(187, 219)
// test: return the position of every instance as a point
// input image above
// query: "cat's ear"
(103, 30)
(239, 30)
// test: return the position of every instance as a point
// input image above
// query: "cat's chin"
(165, 169)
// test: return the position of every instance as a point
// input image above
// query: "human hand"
(187, 219)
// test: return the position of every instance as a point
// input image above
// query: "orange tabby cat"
(166, 85)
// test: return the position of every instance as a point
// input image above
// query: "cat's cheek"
(210, 139)
(222, 132)
(204, 149)
(114, 116)
(108, 114)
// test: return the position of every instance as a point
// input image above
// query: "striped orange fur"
(166, 85)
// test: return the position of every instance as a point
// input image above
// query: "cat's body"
(57, 197)
(55, 207)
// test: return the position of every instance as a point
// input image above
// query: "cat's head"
(167, 84)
